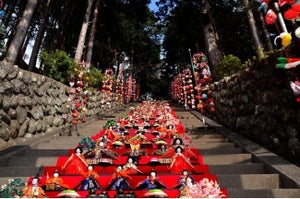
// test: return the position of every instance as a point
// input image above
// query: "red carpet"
(150, 119)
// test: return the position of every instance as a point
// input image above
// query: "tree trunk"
(257, 41)
(21, 31)
(39, 38)
(266, 32)
(92, 34)
(82, 36)
(211, 38)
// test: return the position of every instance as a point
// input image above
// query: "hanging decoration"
(132, 90)
(286, 14)
(191, 89)
(107, 88)
(202, 80)
(78, 92)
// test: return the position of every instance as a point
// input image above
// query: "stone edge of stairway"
(22, 145)
(289, 172)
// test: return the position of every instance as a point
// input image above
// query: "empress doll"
(76, 163)
(179, 160)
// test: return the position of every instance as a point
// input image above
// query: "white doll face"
(78, 151)
(152, 174)
(101, 144)
(119, 168)
(177, 141)
(178, 150)
(130, 160)
(185, 173)
(34, 181)
(90, 168)
(55, 175)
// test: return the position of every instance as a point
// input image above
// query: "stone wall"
(32, 105)
(259, 104)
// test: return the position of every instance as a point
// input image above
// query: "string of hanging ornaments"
(191, 88)
(78, 93)
(284, 16)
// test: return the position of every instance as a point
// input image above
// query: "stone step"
(28, 161)
(227, 159)
(263, 193)
(20, 171)
(209, 140)
(46, 152)
(202, 131)
(249, 181)
(221, 151)
(205, 136)
(253, 168)
(201, 145)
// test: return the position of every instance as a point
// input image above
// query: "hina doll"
(90, 182)
(179, 160)
(162, 148)
(102, 151)
(170, 132)
(183, 180)
(111, 135)
(76, 163)
(55, 183)
(151, 182)
(130, 167)
(119, 181)
(34, 190)
(188, 188)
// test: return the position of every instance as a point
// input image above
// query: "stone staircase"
(28, 159)
(245, 169)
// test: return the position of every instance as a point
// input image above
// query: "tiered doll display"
(145, 153)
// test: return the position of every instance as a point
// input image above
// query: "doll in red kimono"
(179, 160)
(130, 167)
(76, 164)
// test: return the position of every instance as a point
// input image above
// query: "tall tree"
(257, 42)
(92, 34)
(211, 37)
(21, 30)
(83, 32)
(39, 37)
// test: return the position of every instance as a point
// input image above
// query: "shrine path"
(242, 167)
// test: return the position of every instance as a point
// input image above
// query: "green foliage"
(13, 189)
(58, 66)
(95, 78)
(229, 65)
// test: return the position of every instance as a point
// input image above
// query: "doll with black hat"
(151, 182)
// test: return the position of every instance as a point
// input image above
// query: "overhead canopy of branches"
(158, 45)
